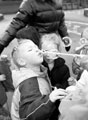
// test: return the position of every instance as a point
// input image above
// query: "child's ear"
(21, 62)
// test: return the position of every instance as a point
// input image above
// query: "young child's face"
(30, 53)
(50, 50)
(76, 68)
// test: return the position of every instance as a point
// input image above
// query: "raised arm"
(20, 20)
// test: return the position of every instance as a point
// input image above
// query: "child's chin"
(49, 61)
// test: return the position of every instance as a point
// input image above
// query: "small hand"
(2, 77)
(72, 81)
(57, 94)
(66, 41)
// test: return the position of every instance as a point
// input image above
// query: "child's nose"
(39, 51)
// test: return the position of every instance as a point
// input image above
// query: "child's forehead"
(49, 46)
(26, 44)
(51, 36)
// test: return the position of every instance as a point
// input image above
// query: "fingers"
(57, 94)
(61, 92)
(71, 79)
(60, 97)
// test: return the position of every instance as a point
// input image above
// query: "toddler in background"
(83, 81)
(83, 49)
(76, 69)
(58, 71)
(83, 63)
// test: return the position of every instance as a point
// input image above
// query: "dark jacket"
(3, 96)
(6, 85)
(5, 69)
(59, 74)
(31, 98)
(44, 15)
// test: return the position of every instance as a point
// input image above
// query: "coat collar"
(24, 73)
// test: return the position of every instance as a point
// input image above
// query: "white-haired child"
(58, 71)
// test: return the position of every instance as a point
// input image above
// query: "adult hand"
(67, 42)
(57, 94)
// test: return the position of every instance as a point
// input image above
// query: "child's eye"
(45, 50)
(29, 50)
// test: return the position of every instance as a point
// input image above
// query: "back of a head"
(28, 33)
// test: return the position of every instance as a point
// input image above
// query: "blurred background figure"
(6, 85)
(46, 16)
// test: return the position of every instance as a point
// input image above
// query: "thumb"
(55, 88)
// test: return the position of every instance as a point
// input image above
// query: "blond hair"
(52, 38)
